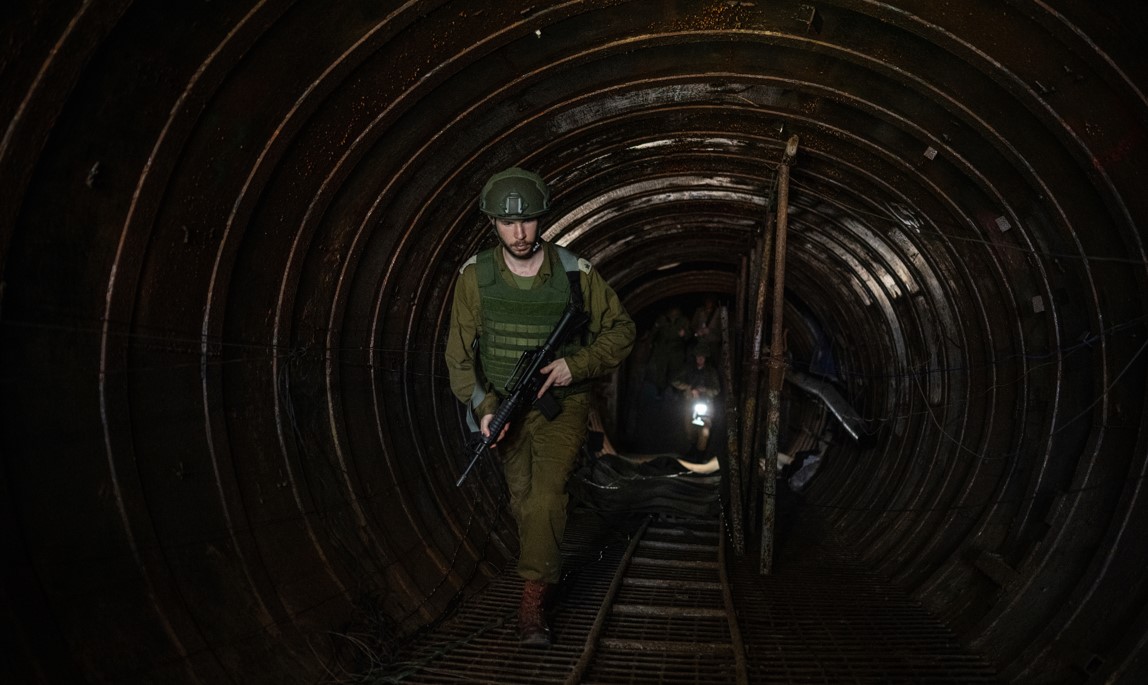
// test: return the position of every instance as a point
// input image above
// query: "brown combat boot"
(532, 628)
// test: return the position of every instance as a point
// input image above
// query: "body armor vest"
(515, 320)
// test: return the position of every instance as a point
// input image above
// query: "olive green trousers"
(537, 457)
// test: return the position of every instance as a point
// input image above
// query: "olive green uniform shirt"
(611, 329)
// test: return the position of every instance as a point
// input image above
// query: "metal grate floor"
(480, 643)
(820, 618)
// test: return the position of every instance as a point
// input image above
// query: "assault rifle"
(524, 384)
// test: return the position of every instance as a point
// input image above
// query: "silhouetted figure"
(699, 384)
(668, 354)
(706, 326)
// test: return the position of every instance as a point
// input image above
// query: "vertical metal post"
(752, 388)
(733, 458)
(776, 363)
(742, 296)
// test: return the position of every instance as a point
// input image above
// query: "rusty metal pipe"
(751, 390)
(776, 362)
(733, 455)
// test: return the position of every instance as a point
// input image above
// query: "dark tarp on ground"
(660, 485)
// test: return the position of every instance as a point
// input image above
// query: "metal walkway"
(822, 619)
(650, 602)
(669, 616)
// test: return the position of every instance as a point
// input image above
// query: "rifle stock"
(527, 380)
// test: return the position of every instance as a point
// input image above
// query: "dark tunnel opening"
(229, 234)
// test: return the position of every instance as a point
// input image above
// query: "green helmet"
(514, 194)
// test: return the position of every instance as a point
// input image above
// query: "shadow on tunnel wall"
(229, 233)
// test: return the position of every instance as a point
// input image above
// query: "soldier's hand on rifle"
(484, 425)
(558, 375)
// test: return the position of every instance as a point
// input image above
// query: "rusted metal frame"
(676, 546)
(678, 563)
(776, 363)
(733, 453)
(667, 611)
(742, 297)
(670, 584)
(665, 647)
(751, 389)
(591, 645)
(731, 616)
(733, 348)
(753, 498)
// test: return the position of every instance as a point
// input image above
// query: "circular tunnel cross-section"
(229, 234)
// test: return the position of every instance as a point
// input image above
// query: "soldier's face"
(519, 236)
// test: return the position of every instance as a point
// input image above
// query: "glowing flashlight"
(700, 411)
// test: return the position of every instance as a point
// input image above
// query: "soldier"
(706, 325)
(509, 298)
(699, 383)
(668, 354)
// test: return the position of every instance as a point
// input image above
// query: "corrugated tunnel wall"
(229, 231)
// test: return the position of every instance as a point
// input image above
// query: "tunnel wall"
(229, 232)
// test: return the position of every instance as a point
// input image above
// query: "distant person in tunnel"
(699, 384)
(706, 326)
(668, 354)
(508, 299)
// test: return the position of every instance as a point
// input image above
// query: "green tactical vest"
(514, 320)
